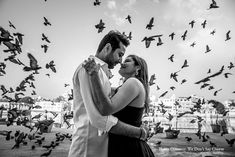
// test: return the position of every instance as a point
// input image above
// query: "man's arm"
(105, 123)
(124, 129)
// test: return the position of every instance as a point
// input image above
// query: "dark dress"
(123, 146)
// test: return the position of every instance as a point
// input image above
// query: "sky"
(74, 37)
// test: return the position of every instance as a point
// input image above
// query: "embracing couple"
(107, 121)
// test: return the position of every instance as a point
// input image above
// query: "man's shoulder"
(78, 71)
(79, 68)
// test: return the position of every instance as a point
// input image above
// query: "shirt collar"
(97, 60)
(103, 65)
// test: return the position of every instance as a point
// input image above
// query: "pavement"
(178, 147)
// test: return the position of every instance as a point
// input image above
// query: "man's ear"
(108, 48)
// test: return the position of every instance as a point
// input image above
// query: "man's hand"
(91, 66)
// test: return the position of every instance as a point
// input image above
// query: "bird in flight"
(128, 18)
(185, 64)
(149, 39)
(213, 32)
(159, 41)
(33, 64)
(207, 49)
(183, 81)
(213, 5)
(129, 35)
(158, 88)
(193, 44)
(192, 23)
(11, 25)
(174, 75)
(172, 88)
(150, 24)
(216, 92)
(163, 94)
(51, 65)
(204, 85)
(230, 65)
(19, 36)
(204, 24)
(46, 22)
(171, 58)
(226, 74)
(209, 71)
(211, 87)
(184, 35)
(44, 37)
(100, 26)
(45, 47)
(227, 36)
(65, 85)
(152, 79)
(172, 35)
(97, 2)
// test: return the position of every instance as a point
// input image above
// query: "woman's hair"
(142, 76)
(114, 38)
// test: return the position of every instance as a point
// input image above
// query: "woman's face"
(127, 68)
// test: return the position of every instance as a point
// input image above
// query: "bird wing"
(33, 61)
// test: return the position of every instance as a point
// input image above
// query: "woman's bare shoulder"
(133, 82)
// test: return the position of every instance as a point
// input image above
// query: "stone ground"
(168, 147)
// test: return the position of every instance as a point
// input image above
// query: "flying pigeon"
(151, 81)
(11, 25)
(128, 18)
(192, 23)
(46, 22)
(44, 37)
(33, 64)
(97, 2)
(100, 26)
(149, 39)
(213, 5)
(184, 35)
(51, 65)
(150, 24)
(227, 36)
(171, 58)
(172, 35)
(204, 24)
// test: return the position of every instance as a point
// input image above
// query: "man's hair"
(114, 38)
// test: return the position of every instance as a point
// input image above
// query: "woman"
(127, 104)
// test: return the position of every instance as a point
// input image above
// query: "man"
(89, 139)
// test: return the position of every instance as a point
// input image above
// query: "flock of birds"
(36, 140)
(13, 43)
(174, 75)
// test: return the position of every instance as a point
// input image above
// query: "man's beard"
(110, 61)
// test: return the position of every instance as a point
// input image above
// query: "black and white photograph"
(117, 78)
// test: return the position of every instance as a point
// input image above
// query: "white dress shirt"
(87, 142)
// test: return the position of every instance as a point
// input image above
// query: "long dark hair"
(142, 76)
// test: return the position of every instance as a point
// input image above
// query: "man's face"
(114, 58)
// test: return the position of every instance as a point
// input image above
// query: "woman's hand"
(91, 66)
